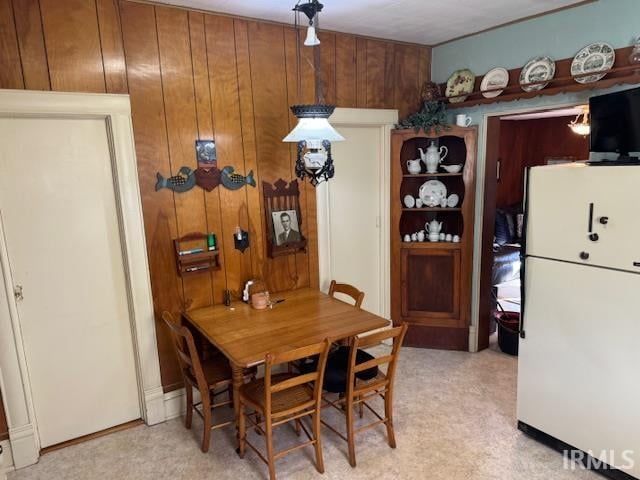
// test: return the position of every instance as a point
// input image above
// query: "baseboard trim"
(6, 459)
(24, 446)
(175, 403)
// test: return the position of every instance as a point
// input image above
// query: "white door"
(578, 377)
(560, 200)
(58, 211)
(354, 208)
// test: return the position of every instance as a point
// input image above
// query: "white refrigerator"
(579, 353)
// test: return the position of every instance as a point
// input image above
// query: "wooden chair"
(357, 391)
(349, 290)
(211, 378)
(282, 398)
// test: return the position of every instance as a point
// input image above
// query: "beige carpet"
(455, 419)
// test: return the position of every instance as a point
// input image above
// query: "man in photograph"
(288, 234)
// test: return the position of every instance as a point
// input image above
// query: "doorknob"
(17, 292)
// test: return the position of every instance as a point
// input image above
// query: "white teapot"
(413, 166)
(433, 227)
(433, 156)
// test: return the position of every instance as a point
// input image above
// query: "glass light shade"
(313, 129)
(312, 39)
(583, 129)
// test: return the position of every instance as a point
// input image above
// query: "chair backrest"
(320, 349)
(187, 354)
(349, 290)
(397, 334)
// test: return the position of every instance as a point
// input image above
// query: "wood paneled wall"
(193, 75)
(526, 143)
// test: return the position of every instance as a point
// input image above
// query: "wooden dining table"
(302, 317)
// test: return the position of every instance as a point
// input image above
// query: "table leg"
(238, 379)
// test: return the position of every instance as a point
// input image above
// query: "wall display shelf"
(621, 73)
(193, 254)
(431, 281)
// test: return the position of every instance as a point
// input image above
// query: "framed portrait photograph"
(286, 228)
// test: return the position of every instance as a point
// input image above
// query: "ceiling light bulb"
(312, 39)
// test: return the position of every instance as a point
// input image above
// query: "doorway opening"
(514, 143)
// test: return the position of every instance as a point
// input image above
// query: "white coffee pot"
(433, 156)
(433, 227)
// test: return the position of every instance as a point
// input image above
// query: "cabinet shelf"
(436, 245)
(423, 175)
(432, 209)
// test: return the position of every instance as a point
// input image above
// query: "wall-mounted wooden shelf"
(563, 82)
(192, 263)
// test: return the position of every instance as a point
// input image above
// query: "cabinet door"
(431, 286)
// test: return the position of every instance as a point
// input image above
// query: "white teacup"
(421, 236)
(448, 238)
(456, 239)
(418, 203)
(407, 238)
(442, 237)
(414, 237)
(463, 120)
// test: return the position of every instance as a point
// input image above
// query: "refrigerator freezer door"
(559, 215)
(578, 375)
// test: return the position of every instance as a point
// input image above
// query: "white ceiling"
(427, 22)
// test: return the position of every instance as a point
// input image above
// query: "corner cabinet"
(431, 280)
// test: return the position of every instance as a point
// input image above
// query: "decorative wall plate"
(460, 82)
(537, 69)
(495, 78)
(593, 58)
(432, 192)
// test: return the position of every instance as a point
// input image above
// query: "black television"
(615, 125)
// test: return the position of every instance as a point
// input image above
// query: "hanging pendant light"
(581, 127)
(313, 133)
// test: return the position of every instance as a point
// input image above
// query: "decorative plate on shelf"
(460, 82)
(538, 69)
(495, 78)
(432, 192)
(595, 57)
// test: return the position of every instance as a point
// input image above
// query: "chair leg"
(206, 434)
(242, 430)
(318, 445)
(230, 391)
(296, 424)
(388, 413)
(189, 416)
(361, 408)
(350, 434)
(269, 440)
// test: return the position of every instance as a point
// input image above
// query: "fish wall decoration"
(205, 178)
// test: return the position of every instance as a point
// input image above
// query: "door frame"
(384, 120)
(115, 110)
(485, 219)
